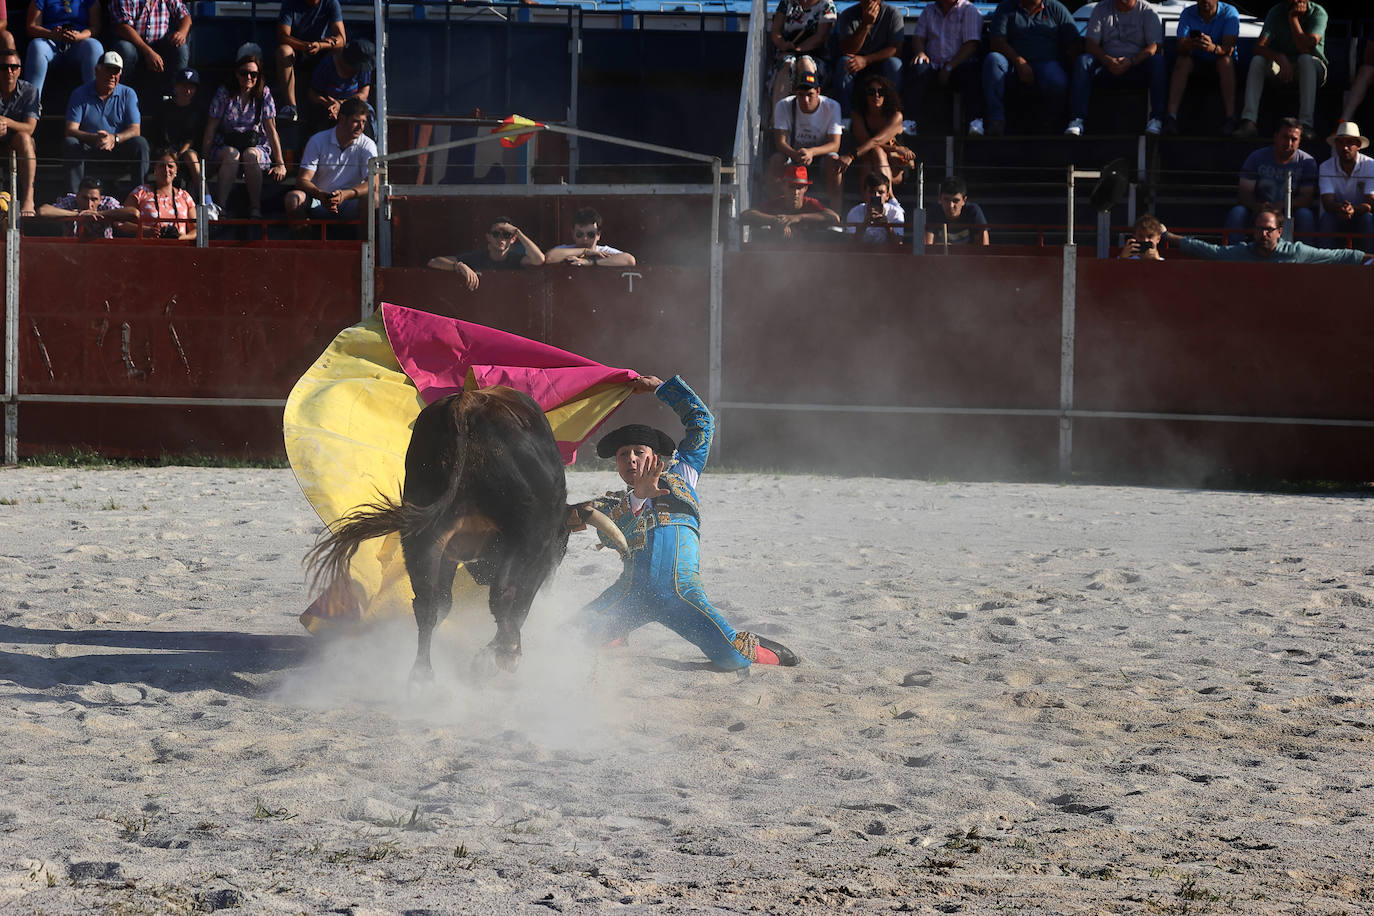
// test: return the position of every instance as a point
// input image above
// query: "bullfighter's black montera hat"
(634, 434)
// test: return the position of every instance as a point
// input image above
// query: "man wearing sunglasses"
(586, 249)
(19, 110)
(507, 249)
(1268, 245)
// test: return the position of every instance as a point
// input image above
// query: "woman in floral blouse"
(242, 130)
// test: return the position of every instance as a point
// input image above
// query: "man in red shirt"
(791, 212)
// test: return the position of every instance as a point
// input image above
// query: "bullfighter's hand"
(646, 479)
(644, 384)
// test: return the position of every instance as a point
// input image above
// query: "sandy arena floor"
(1024, 698)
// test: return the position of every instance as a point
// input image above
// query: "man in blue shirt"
(1268, 171)
(306, 29)
(1030, 41)
(1207, 35)
(1268, 245)
(103, 124)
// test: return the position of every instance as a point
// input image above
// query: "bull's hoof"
(491, 661)
(421, 683)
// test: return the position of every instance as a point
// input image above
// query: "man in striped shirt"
(153, 32)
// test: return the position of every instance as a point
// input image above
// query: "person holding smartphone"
(1143, 245)
(1207, 35)
(880, 214)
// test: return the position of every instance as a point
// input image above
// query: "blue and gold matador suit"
(661, 582)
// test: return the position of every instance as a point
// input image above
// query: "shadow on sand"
(177, 661)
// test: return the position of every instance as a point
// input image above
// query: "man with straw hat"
(1346, 184)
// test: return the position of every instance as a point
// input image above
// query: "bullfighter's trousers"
(661, 583)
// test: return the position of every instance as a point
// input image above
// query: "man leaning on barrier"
(1267, 245)
(508, 248)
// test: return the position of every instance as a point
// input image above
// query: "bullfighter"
(660, 516)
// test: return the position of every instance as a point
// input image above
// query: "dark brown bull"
(484, 486)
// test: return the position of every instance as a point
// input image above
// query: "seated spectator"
(880, 213)
(241, 131)
(340, 76)
(799, 31)
(1268, 171)
(1207, 35)
(1143, 245)
(807, 131)
(180, 125)
(19, 111)
(1125, 47)
(507, 249)
(792, 213)
(586, 248)
(103, 123)
(869, 36)
(874, 127)
(1290, 48)
(6, 36)
(333, 179)
(89, 213)
(1268, 245)
(1359, 86)
(1347, 186)
(944, 50)
(153, 32)
(1029, 42)
(306, 29)
(955, 221)
(164, 210)
(65, 29)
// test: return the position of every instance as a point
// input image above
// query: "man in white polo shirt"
(332, 180)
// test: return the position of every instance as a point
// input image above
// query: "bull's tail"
(327, 562)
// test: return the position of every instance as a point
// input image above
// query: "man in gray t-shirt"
(1125, 47)
(19, 110)
(869, 35)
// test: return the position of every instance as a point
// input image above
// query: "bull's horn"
(601, 523)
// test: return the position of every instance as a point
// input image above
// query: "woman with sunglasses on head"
(586, 248)
(242, 130)
(164, 210)
(874, 125)
(507, 249)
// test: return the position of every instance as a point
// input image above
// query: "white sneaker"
(1075, 128)
(975, 127)
(1154, 127)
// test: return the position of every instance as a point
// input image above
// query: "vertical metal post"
(1288, 206)
(202, 220)
(382, 236)
(575, 53)
(717, 304)
(1069, 238)
(1104, 232)
(916, 222)
(369, 255)
(1068, 304)
(12, 319)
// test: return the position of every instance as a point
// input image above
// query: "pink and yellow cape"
(348, 422)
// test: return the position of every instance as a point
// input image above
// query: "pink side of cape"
(436, 353)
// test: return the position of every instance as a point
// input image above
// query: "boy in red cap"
(659, 515)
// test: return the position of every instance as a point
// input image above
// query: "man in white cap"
(1346, 183)
(103, 124)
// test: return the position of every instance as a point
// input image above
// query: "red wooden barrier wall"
(961, 339)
